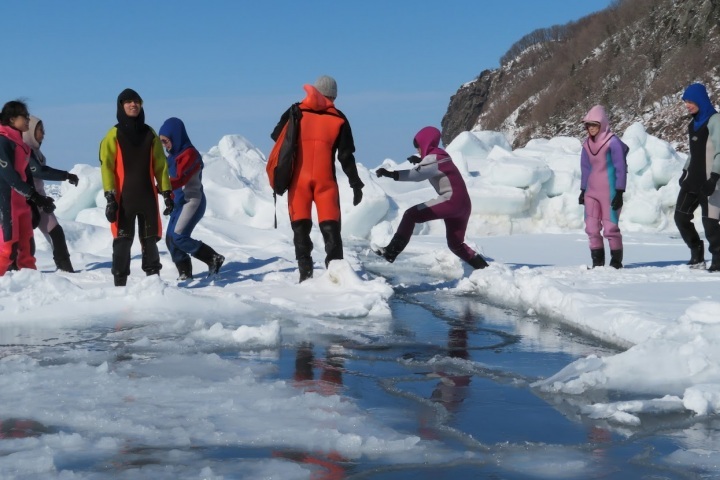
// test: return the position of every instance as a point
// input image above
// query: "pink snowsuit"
(603, 169)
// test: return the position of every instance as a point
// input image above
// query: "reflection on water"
(325, 465)
(450, 370)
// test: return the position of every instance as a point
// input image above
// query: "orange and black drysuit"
(134, 168)
(324, 132)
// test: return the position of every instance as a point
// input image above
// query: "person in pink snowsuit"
(603, 177)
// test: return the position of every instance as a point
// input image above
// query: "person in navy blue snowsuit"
(185, 166)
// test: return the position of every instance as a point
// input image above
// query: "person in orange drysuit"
(324, 132)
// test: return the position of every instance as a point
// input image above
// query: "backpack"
(281, 161)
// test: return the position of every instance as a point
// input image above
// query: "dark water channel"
(461, 371)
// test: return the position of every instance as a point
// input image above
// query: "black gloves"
(357, 196)
(111, 209)
(617, 202)
(414, 159)
(46, 204)
(581, 198)
(683, 176)
(384, 172)
(72, 179)
(169, 203)
(710, 184)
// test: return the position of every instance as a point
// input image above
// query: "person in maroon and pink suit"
(452, 204)
(603, 177)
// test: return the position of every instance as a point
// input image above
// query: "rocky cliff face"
(635, 58)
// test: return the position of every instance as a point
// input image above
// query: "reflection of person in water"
(330, 383)
(452, 389)
(331, 368)
(21, 428)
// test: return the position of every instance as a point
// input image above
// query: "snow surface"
(525, 219)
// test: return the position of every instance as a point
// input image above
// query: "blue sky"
(233, 66)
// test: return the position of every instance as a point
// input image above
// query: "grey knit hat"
(327, 86)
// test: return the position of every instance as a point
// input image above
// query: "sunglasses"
(592, 124)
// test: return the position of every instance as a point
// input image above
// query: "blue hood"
(174, 129)
(697, 94)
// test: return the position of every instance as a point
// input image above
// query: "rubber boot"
(393, 249)
(477, 262)
(61, 256)
(616, 257)
(330, 230)
(697, 256)
(303, 247)
(598, 257)
(211, 258)
(121, 260)
(150, 262)
(184, 268)
(714, 264)
(712, 233)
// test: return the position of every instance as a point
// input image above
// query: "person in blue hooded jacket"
(698, 182)
(185, 166)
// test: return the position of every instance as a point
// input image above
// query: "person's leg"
(685, 207)
(25, 248)
(121, 259)
(61, 255)
(420, 213)
(330, 230)
(303, 247)
(183, 221)
(327, 203)
(593, 227)
(7, 256)
(121, 247)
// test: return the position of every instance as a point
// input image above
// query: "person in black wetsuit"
(134, 169)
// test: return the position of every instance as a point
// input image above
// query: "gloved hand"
(72, 179)
(357, 196)
(617, 202)
(710, 184)
(683, 176)
(414, 159)
(384, 172)
(46, 204)
(581, 198)
(112, 207)
(169, 203)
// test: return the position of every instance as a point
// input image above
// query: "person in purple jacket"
(452, 205)
(604, 174)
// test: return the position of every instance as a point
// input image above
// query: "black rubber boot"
(712, 233)
(184, 268)
(687, 230)
(715, 264)
(477, 262)
(616, 257)
(697, 256)
(211, 258)
(333, 241)
(598, 257)
(60, 250)
(150, 263)
(393, 249)
(121, 260)
(303, 247)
